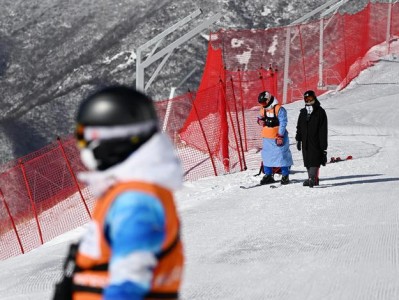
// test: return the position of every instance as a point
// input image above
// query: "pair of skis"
(273, 186)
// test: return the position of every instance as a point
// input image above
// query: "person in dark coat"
(312, 136)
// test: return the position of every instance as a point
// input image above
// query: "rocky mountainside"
(54, 52)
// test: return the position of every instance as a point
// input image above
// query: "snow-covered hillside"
(335, 241)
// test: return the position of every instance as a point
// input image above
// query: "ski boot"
(267, 179)
(311, 182)
(285, 180)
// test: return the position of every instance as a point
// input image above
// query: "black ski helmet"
(113, 123)
(309, 93)
(265, 98)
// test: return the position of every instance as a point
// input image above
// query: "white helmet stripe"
(92, 133)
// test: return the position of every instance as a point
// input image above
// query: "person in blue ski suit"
(275, 141)
(132, 247)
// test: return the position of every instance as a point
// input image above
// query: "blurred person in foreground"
(276, 151)
(311, 137)
(132, 248)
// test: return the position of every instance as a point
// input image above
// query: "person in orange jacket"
(276, 151)
(132, 248)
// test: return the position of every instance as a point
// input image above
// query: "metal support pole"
(158, 69)
(288, 42)
(156, 40)
(139, 72)
(181, 40)
(154, 56)
(334, 8)
(286, 64)
(389, 25)
(171, 95)
(320, 84)
(243, 110)
(171, 29)
(313, 12)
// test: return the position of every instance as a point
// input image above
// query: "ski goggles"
(87, 134)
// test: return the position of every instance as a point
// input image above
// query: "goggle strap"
(121, 131)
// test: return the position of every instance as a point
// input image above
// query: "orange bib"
(91, 276)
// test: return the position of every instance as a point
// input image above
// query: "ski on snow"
(273, 185)
(277, 184)
(246, 187)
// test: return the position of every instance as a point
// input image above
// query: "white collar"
(273, 104)
(154, 162)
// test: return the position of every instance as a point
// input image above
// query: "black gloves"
(298, 145)
(324, 158)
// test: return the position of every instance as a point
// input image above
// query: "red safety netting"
(40, 198)
(197, 162)
(343, 40)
